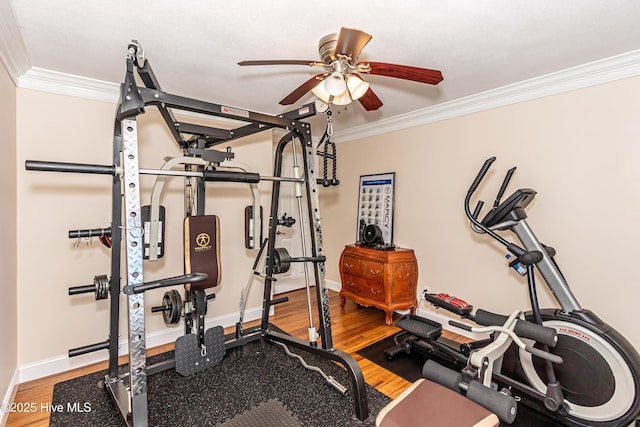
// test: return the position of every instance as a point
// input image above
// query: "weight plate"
(173, 303)
(101, 283)
(280, 263)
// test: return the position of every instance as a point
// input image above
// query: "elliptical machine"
(598, 382)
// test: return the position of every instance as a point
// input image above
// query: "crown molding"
(602, 71)
(69, 84)
(13, 53)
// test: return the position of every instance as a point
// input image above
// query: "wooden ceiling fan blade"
(406, 72)
(277, 62)
(301, 90)
(351, 42)
(370, 101)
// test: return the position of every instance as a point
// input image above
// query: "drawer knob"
(346, 264)
(376, 292)
(374, 272)
(349, 283)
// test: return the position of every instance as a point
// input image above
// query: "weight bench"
(436, 401)
(196, 352)
(426, 403)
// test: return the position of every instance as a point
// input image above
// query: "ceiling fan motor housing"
(327, 48)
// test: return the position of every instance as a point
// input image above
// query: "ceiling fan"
(341, 82)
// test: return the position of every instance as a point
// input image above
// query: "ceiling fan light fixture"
(335, 84)
(321, 92)
(357, 87)
(341, 99)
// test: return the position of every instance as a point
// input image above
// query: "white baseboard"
(9, 396)
(292, 283)
(62, 363)
(333, 285)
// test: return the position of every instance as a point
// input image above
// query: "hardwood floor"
(353, 327)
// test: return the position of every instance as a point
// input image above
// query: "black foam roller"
(437, 373)
(503, 406)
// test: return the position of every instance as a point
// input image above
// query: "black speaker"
(372, 235)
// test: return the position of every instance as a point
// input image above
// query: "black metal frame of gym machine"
(128, 388)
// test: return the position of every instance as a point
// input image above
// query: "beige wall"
(580, 150)
(67, 129)
(8, 262)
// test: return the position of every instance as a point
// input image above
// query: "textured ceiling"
(194, 46)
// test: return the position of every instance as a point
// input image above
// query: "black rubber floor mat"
(268, 414)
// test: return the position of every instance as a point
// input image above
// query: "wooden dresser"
(386, 279)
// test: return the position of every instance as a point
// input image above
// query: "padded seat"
(202, 250)
(429, 404)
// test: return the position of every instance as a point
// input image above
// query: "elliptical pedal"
(420, 327)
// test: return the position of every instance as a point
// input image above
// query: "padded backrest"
(202, 249)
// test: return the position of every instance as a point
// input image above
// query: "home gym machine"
(598, 383)
(127, 386)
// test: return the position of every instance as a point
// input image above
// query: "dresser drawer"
(372, 270)
(386, 279)
(370, 289)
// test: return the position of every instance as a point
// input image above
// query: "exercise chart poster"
(375, 203)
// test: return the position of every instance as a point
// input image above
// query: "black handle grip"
(171, 281)
(246, 177)
(503, 187)
(476, 211)
(481, 174)
(34, 165)
(523, 329)
(539, 333)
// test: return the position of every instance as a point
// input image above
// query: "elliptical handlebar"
(483, 171)
(476, 225)
(514, 338)
(503, 187)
